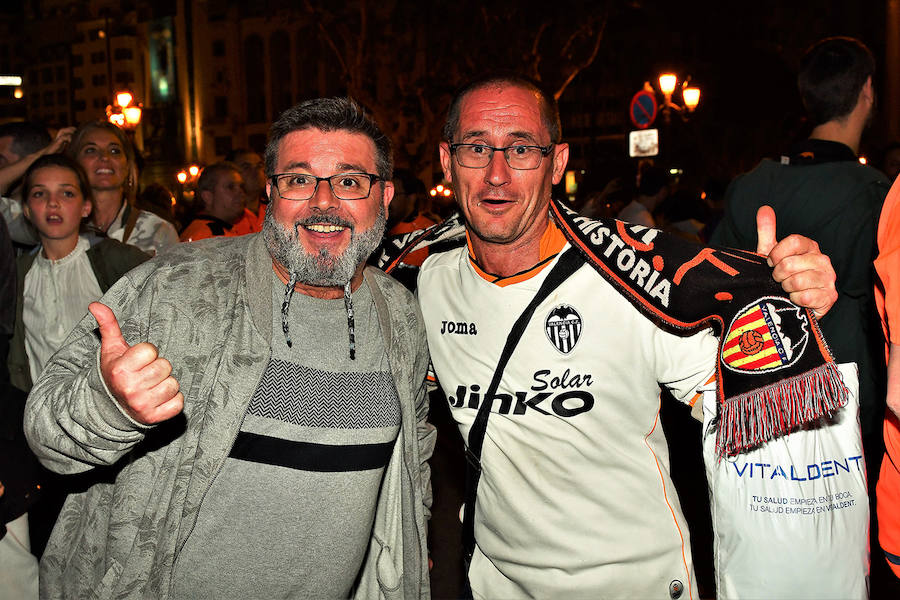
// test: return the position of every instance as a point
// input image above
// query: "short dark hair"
(549, 107)
(330, 114)
(56, 160)
(832, 73)
(27, 137)
(209, 177)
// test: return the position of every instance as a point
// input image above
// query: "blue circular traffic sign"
(643, 109)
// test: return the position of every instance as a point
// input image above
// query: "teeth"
(322, 228)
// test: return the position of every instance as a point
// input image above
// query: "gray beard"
(322, 269)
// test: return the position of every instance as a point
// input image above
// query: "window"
(98, 80)
(32, 76)
(48, 99)
(77, 83)
(98, 57)
(256, 79)
(77, 60)
(35, 101)
(123, 54)
(221, 107)
(46, 75)
(99, 102)
(60, 73)
(223, 145)
(218, 48)
(279, 50)
(257, 142)
(79, 105)
(124, 77)
(62, 97)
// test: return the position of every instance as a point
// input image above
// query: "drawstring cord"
(348, 304)
(285, 305)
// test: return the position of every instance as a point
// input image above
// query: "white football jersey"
(575, 498)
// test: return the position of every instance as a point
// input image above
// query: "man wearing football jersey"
(575, 498)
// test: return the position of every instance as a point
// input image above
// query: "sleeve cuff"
(108, 408)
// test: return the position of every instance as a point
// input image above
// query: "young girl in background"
(64, 274)
(54, 285)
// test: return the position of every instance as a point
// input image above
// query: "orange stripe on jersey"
(662, 481)
(699, 395)
(552, 242)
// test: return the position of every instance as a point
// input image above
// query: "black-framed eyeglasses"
(344, 186)
(522, 157)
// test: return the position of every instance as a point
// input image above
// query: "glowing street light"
(123, 113)
(440, 190)
(124, 99)
(667, 82)
(690, 95)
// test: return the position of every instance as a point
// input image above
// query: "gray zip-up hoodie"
(207, 307)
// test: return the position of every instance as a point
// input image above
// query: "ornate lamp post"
(690, 95)
(124, 112)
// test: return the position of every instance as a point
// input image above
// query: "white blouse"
(56, 296)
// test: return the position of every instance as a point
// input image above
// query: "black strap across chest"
(568, 263)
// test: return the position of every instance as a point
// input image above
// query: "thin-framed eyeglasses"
(522, 157)
(344, 186)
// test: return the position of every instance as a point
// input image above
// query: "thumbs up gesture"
(799, 266)
(138, 378)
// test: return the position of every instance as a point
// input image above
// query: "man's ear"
(869, 90)
(560, 155)
(388, 193)
(206, 196)
(446, 158)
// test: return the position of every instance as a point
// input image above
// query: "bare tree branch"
(587, 61)
(535, 55)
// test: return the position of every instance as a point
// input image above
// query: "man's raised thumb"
(765, 230)
(111, 339)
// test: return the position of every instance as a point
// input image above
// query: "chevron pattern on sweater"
(299, 395)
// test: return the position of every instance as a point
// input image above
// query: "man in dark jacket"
(820, 190)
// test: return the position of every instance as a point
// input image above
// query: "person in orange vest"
(221, 190)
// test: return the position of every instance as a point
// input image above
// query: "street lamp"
(690, 95)
(123, 113)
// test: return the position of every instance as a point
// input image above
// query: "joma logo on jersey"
(565, 404)
(563, 327)
(458, 327)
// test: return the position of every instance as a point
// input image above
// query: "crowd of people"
(233, 402)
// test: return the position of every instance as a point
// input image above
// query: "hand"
(140, 381)
(802, 270)
(59, 143)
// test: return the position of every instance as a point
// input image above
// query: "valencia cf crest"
(563, 327)
(760, 340)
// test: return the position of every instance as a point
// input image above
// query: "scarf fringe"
(748, 420)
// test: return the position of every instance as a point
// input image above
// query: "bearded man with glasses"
(261, 411)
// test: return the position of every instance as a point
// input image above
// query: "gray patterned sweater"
(207, 306)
